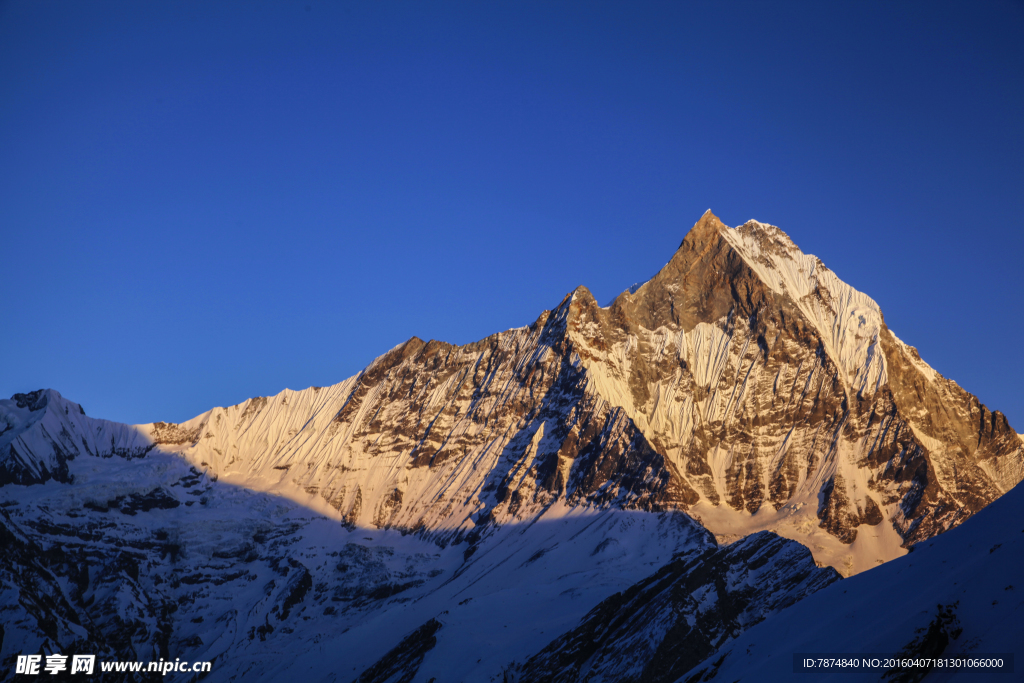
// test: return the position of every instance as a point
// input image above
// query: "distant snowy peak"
(40, 432)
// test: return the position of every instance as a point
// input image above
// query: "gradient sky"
(204, 202)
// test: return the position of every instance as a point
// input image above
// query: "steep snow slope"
(965, 584)
(849, 322)
(147, 557)
(521, 586)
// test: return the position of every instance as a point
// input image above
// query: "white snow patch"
(849, 321)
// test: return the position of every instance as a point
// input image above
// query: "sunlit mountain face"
(611, 493)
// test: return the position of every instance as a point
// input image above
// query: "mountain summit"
(744, 383)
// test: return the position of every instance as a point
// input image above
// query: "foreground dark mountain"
(521, 479)
(958, 595)
(668, 623)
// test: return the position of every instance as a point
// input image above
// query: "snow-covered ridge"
(141, 555)
(960, 591)
(849, 321)
(430, 436)
(670, 621)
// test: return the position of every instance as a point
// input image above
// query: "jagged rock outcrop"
(401, 664)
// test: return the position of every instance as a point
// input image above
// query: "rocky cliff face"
(776, 390)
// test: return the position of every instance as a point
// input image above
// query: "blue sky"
(203, 202)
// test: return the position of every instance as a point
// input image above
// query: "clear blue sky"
(203, 202)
